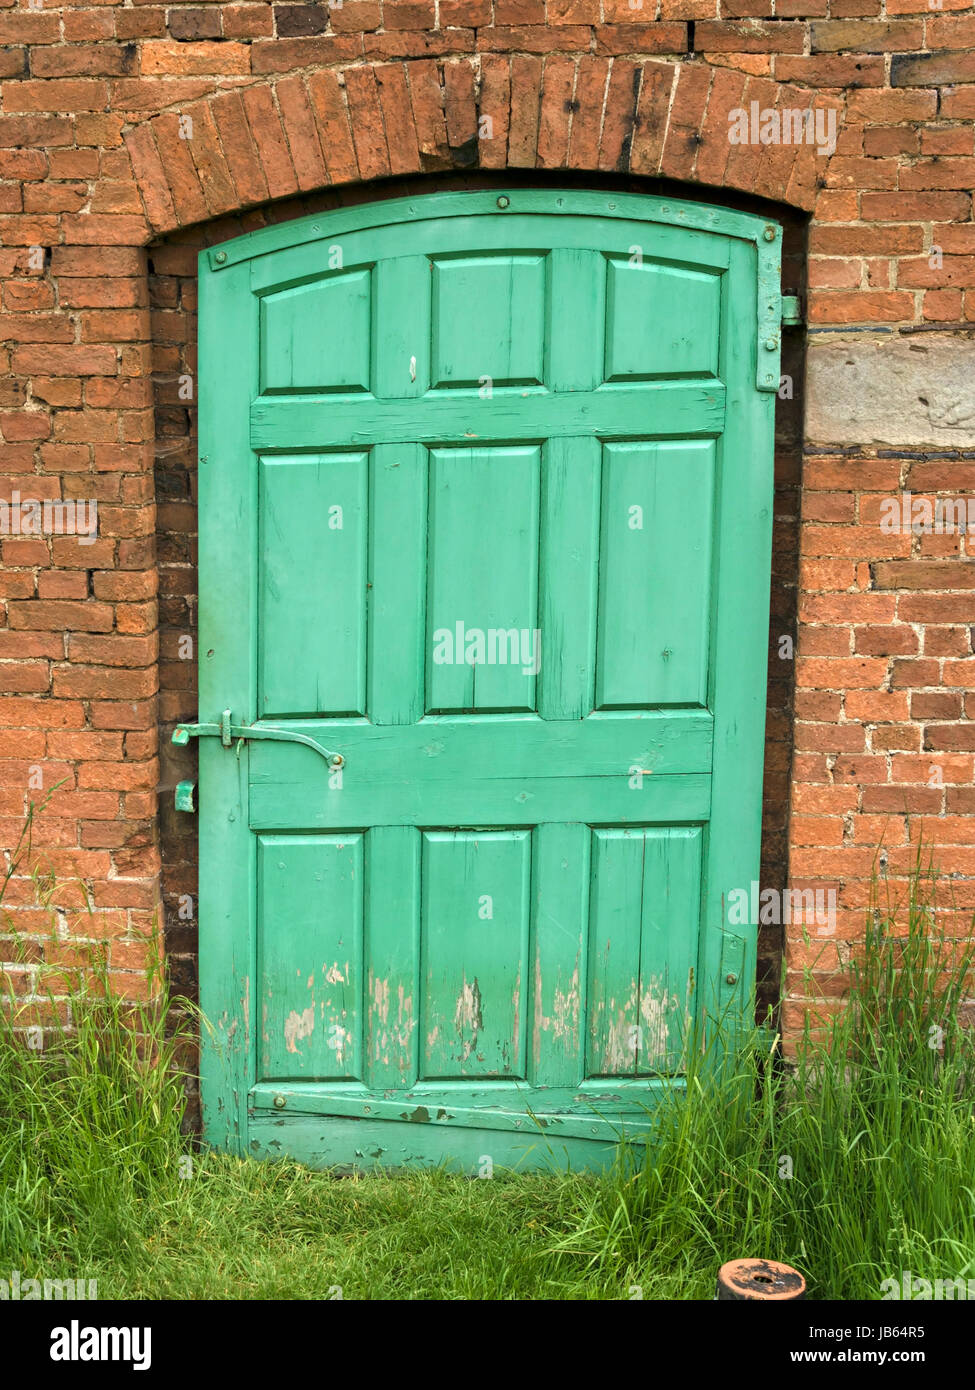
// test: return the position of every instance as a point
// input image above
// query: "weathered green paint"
(486, 932)
(791, 311)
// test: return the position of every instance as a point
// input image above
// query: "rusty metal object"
(756, 1281)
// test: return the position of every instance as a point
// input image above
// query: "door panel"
(474, 933)
(684, 306)
(646, 888)
(310, 956)
(507, 348)
(312, 614)
(501, 542)
(297, 356)
(482, 567)
(659, 564)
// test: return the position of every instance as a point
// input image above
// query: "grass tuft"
(854, 1164)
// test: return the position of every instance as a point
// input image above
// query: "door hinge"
(792, 315)
(186, 796)
(228, 732)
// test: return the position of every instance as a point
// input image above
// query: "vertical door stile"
(568, 566)
(397, 614)
(227, 662)
(739, 651)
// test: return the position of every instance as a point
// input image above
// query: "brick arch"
(307, 131)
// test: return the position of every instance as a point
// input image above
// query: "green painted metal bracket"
(769, 338)
(228, 732)
(732, 961)
(186, 796)
(791, 311)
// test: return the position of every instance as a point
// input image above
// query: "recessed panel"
(644, 925)
(317, 337)
(307, 1008)
(476, 889)
(661, 320)
(488, 321)
(312, 584)
(483, 642)
(654, 574)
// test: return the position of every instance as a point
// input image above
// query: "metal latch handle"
(227, 731)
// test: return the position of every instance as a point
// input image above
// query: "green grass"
(876, 1124)
(876, 1127)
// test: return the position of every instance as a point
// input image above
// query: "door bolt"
(279, 1102)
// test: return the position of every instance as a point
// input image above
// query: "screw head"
(336, 760)
(220, 257)
(771, 344)
(731, 979)
(503, 202)
(279, 1102)
(769, 234)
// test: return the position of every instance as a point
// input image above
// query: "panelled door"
(485, 514)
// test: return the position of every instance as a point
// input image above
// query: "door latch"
(228, 732)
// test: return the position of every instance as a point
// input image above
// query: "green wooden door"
(485, 513)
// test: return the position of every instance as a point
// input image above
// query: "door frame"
(737, 671)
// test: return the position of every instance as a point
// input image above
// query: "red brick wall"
(291, 100)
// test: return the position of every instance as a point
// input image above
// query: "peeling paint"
(516, 1009)
(563, 1022)
(565, 1009)
(406, 1023)
(633, 1034)
(298, 1026)
(390, 1038)
(380, 1000)
(468, 1017)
